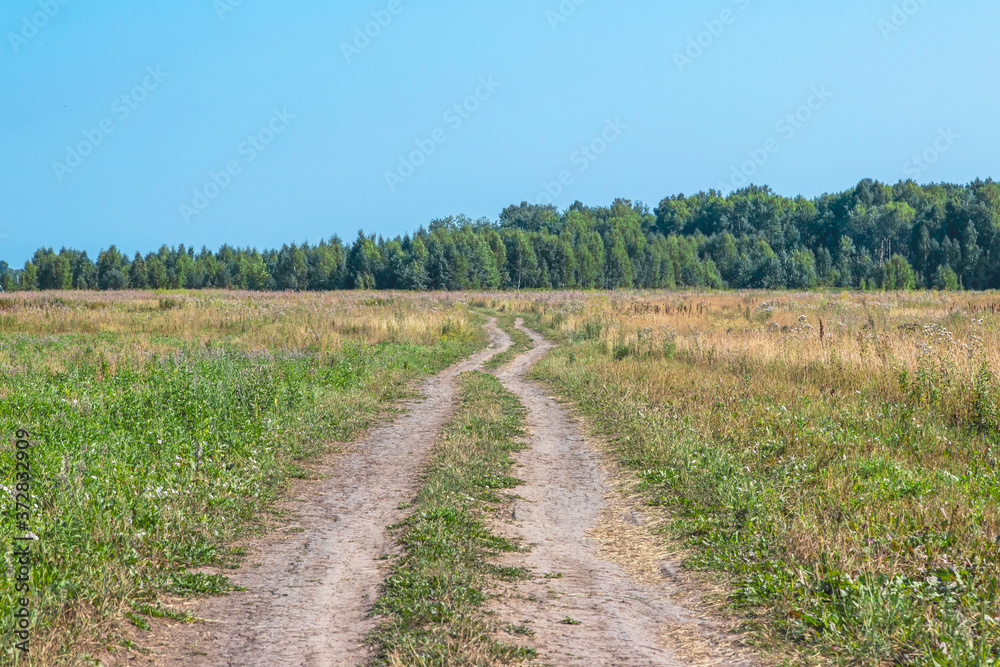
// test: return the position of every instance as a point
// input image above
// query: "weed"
(519, 630)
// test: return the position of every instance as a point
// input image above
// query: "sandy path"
(621, 619)
(310, 587)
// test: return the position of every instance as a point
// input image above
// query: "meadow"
(164, 425)
(830, 458)
(834, 454)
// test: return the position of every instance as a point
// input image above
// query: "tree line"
(873, 236)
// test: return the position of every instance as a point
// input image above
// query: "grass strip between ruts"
(433, 599)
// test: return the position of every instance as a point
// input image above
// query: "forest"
(874, 236)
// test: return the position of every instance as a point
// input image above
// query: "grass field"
(164, 425)
(835, 454)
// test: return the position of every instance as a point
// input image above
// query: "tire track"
(312, 585)
(621, 621)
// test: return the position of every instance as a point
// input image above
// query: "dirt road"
(588, 611)
(309, 588)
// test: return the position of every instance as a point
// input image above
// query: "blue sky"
(259, 123)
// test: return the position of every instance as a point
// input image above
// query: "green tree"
(29, 277)
(137, 273)
(156, 272)
(899, 274)
(945, 278)
(111, 269)
(7, 283)
(619, 271)
(363, 262)
(84, 271)
(801, 272)
(292, 269)
(522, 262)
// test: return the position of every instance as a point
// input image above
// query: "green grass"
(147, 470)
(433, 600)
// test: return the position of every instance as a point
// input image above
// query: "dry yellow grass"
(124, 326)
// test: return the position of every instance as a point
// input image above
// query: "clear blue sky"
(565, 79)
